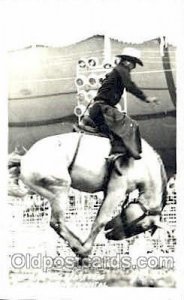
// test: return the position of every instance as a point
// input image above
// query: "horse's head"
(134, 219)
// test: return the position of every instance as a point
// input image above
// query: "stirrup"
(112, 160)
(113, 157)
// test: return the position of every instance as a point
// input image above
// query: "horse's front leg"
(59, 225)
(115, 195)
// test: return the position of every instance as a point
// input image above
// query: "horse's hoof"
(83, 261)
(81, 252)
(85, 251)
(75, 250)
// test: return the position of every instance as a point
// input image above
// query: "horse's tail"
(14, 167)
(14, 158)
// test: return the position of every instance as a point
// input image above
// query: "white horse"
(54, 164)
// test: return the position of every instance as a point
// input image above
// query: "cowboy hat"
(131, 54)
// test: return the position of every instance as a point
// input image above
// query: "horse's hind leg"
(56, 191)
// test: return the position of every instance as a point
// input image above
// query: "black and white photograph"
(91, 120)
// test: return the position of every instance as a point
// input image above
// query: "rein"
(87, 107)
(75, 154)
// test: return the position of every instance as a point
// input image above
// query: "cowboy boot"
(132, 142)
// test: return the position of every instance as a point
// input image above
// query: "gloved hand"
(150, 99)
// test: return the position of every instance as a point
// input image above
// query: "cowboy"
(122, 130)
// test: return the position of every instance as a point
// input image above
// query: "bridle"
(146, 213)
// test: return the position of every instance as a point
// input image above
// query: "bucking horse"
(55, 164)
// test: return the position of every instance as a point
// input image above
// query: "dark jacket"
(113, 86)
(123, 131)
